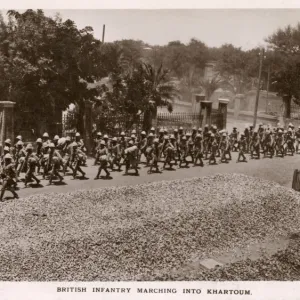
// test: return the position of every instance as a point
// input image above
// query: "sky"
(246, 28)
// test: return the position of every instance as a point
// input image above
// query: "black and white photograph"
(155, 145)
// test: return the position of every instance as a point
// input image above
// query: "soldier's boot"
(82, 173)
(36, 179)
(16, 196)
(98, 173)
(107, 173)
(50, 179)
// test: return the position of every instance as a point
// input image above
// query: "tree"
(47, 65)
(237, 67)
(160, 92)
(209, 86)
(285, 43)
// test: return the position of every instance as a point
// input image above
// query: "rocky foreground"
(149, 232)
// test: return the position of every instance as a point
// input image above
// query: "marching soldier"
(54, 163)
(45, 138)
(20, 158)
(155, 155)
(9, 177)
(77, 159)
(115, 155)
(297, 137)
(142, 145)
(214, 147)
(255, 145)
(223, 146)
(131, 159)
(67, 154)
(198, 150)
(183, 151)
(242, 146)
(103, 158)
(32, 162)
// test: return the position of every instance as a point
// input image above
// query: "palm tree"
(161, 92)
(209, 86)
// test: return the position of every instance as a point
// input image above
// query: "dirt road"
(279, 170)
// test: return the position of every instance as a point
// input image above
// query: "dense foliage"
(47, 63)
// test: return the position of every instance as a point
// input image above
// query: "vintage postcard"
(149, 151)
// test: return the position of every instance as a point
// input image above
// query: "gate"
(218, 119)
(175, 120)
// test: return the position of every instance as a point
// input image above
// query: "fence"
(115, 124)
(218, 118)
(175, 120)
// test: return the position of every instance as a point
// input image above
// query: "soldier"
(155, 155)
(214, 147)
(297, 136)
(255, 145)
(176, 135)
(268, 144)
(161, 136)
(152, 130)
(5, 151)
(131, 159)
(32, 162)
(97, 141)
(115, 155)
(180, 133)
(20, 158)
(55, 141)
(194, 133)
(54, 162)
(190, 146)
(242, 145)
(18, 138)
(142, 145)
(206, 141)
(7, 143)
(169, 151)
(289, 141)
(183, 150)
(67, 154)
(44, 158)
(234, 139)
(198, 150)
(77, 159)
(247, 138)
(45, 138)
(9, 177)
(279, 144)
(79, 141)
(103, 158)
(39, 146)
(223, 146)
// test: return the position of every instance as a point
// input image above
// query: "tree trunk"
(287, 106)
(80, 120)
(147, 122)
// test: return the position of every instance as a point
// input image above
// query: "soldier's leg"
(35, 178)
(99, 172)
(80, 170)
(56, 172)
(96, 158)
(28, 176)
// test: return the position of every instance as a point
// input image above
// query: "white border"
(44, 290)
(148, 4)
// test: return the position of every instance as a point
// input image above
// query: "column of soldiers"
(53, 158)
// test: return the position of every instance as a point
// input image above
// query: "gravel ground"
(142, 232)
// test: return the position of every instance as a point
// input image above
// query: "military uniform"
(9, 177)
